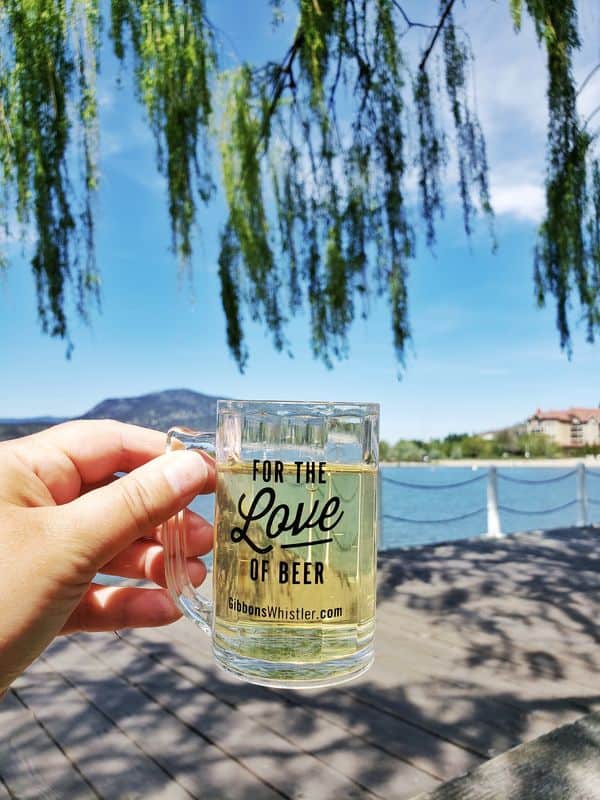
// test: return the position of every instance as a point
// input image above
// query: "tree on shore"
(315, 184)
(506, 443)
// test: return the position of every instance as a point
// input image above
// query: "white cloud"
(525, 201)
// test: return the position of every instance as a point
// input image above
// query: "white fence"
(581, 502)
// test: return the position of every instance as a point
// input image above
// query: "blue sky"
(482, 354)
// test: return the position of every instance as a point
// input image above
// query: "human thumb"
(104, 521)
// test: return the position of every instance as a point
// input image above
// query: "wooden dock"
(481, 645)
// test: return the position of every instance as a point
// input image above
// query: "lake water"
(428, 508)
(428, 504)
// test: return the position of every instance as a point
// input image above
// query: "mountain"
(32, 420)
(159, 410)
(13, 430)
(518, 429)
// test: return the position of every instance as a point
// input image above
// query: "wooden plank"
(527, 621)
(562, 765)
(426, 751)
(519, 690)
(108, 759)
(533, 597)
(478, 715)
(488, 724)
(532, 672)
(330, 745)
(417, 746)
(292, 771)
(453, 718)
(527, 565)
(524, 568)
(32, 766)
(510, 697)
(389, 696)
(189, 761)
(572, 661)
(490, 640)
(383, 773)
(516, 684)
(480, 645)
(497, 726)
(363, 739)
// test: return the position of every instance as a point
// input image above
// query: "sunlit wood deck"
(481, 645)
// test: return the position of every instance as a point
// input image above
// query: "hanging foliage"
(48, 63)
(174, 60)
(566, 255)
(315, 153)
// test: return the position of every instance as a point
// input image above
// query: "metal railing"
(493, 507)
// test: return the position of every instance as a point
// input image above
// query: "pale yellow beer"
(301, 596)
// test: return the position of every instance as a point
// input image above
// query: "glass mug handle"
(198, 608)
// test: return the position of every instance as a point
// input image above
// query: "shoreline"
(475, 463)
(569, 531)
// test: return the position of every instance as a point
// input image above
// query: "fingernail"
(185, 471)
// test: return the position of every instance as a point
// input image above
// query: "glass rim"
(323, 407)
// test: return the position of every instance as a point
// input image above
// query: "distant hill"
(159, 410)
(13, 430)
(32, 420)
(518, 429)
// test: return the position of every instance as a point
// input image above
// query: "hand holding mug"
(64, 517)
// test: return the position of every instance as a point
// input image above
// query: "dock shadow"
(209, 736)
(534, 597)
(524, 608)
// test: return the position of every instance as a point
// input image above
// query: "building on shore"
(574, 427)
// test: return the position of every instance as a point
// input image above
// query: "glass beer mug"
(295, 554)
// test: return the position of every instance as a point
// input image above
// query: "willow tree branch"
(336, 80)
(224, 36)
(285, 71)
(588, 79)
(438, 29)
(285, 78)
(411, 23)
(591, 117)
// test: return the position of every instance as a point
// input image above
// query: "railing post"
(379, 514)
(582, 517)
(493, 516)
